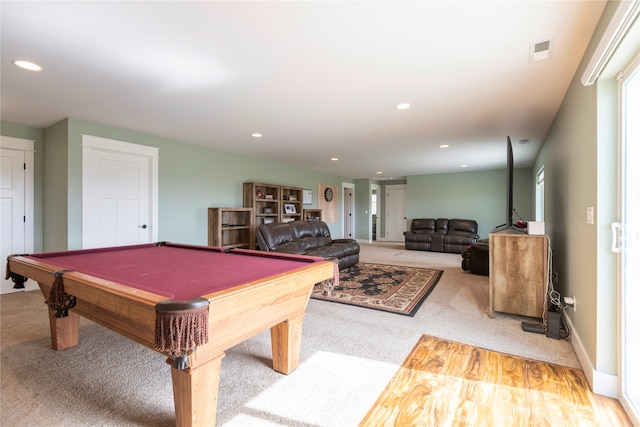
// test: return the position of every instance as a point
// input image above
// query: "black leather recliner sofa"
(311, 238)
(441, 235)
(476, 258)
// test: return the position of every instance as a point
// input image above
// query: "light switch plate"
(590, 215)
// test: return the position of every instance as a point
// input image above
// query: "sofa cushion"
(280, 237)
(442, 225)
(310, 236)
(423, 226)
(463, 227)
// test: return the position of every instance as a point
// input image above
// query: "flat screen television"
(508, 225)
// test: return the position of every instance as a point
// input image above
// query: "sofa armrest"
(343, 240)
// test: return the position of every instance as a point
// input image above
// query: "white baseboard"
(600, 382)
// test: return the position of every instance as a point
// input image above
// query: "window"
(540, 195)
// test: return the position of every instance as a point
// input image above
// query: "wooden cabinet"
(231, 227)
(518, 273)
(271, 203)
(312, 214)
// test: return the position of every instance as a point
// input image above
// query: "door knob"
(143, 226)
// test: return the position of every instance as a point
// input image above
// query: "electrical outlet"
(571, 302)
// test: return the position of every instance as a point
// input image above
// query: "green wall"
(191, 179)
(580, 162)
(480, 196)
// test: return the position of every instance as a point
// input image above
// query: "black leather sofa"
(476, 258)
(307, 238)
(441, 235)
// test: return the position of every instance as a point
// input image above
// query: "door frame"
(28, 147)
(122, 147)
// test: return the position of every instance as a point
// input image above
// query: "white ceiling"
(317, 79)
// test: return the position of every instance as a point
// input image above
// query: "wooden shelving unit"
(517, 273)
(265, 201)
(291, 209)
(231, 227)
(312, 214)
(268, 202)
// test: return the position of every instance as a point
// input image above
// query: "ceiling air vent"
(540, 51)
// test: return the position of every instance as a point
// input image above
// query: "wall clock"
(328, 194)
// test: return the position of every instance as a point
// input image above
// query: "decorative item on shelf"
(293, 198)
(269, 197)
(289, 208)
(259, 194)
(267, 210)
(268, 220)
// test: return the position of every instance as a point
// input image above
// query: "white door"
(117, 193)
(16, 204)
(630, 239)
(348, 206)
(396, 212)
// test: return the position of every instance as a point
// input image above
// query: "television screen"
(509, 216)
(508, 223)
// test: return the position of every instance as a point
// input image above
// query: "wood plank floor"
(444, 383)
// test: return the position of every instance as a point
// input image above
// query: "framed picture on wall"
(307, 196)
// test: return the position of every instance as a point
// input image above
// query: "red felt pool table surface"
(241, 293)
(179, 272)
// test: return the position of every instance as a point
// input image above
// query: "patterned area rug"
(389, 288)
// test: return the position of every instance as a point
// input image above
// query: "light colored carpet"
(348, 356)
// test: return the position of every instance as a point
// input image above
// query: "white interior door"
(396, 212)
(16, 204)
(117, 193)
(348, 206)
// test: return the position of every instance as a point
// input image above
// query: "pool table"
(188, 302)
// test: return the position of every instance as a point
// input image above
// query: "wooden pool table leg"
(285, 344)
(64, 330)
(195, 393)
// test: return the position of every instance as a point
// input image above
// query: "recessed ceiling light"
(27, 65)
(256, 135)
(379, 173)
(464, 166)
(403, 106)
(444, 146)
(334, 159)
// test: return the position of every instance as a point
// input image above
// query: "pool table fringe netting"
(178, 333)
